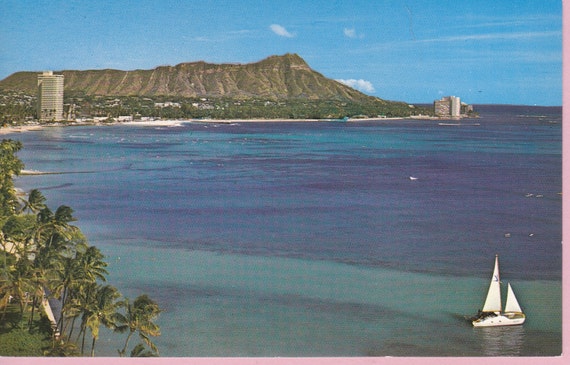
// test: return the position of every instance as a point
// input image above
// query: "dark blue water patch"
(153, 169)
(149, 146)
(446, 204)
(55, 187)
(329, 191)
(256, 141)
(181, 297)
(515, 112)
(74, 140)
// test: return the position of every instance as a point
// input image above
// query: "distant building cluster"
(50, 97)
(451, 107)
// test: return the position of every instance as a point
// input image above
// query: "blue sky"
(499, 51)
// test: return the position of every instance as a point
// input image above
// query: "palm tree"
(82, 302)
(139, 317)
(53, 239)
(62, 349)
(20, 284)
(7, 276)
(50, 238)
(140, 351)
(28, 275)
(39, 282)
(35, 202)
(16, 238)
(69, 276)
(92, 265)
(64, 215)
(103, 311)
(82, 270)
(10, 165)
(52, 226)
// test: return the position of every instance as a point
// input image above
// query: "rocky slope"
(276, 77)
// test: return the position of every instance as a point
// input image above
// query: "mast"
(493, 300)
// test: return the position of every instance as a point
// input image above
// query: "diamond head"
(286, 79)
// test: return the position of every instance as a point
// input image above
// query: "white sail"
(512, 305)
(491, 315)
(493, 301)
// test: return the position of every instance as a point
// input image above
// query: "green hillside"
(286, 78)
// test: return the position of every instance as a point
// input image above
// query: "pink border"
(564, 359)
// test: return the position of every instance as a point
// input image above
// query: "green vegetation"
(45, 255)
(229, 108)
(19, 108)
(16, 340)
(16, 107)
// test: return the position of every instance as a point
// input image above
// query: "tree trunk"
(72, 327)
(122, 353)
(4, 312)
(61, 315)
(23, 305)
(31, 321)
(83, 342)
(81, 328)
(93, 347)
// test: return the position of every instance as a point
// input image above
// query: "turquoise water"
(236, 305)
(309, 239)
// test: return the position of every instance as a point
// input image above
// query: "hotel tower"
(50, 97)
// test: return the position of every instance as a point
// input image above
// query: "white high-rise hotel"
(50, 97)
(449, 106)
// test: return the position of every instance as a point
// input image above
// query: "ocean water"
(310, 239)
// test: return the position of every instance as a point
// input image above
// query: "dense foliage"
(46, 256)
(228, 108)
(20, 107)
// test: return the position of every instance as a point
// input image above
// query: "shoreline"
(20, 129)
(180, 122)
(174, 122)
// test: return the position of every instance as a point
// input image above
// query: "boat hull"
(500, 320)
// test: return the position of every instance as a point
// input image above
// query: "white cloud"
(494, 36)
(280, 31)
(351, 33)
(360, 84)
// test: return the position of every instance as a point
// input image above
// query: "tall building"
(448, 106)
(50, 97)
(455, 106)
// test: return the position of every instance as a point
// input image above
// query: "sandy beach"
(19, 129)
(172, 123)
(178, 123)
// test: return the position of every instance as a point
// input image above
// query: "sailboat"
(492, 314)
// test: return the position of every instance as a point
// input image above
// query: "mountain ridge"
(275, 77)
